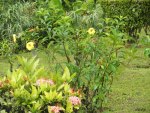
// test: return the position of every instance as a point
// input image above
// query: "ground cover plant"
(82, 49)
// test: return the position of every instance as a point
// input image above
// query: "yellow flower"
(14, 38)
(91, 31)
(30, 46)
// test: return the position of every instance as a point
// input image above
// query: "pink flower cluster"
(44, 81)
(55, 109)
(75, 100)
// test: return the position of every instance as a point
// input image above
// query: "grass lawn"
(130, 90)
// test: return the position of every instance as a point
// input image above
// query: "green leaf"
(69, 107)
(60, 87)
(36, 107)
(3, 111)
(55, 4)
(50, 96)
(38, 73)
(59, 97)
(66, 75)
(35, 64)
(147, 52)
(80, 11)
(34, 94)
(67, 2)
(112, 67)
(66, 88)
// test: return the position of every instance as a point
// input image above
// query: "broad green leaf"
(69, 107)
(34, 93)
(59, 97)
(66, 75)
(66, 88)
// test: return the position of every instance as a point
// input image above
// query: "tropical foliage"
(85, 42)
(30, 89)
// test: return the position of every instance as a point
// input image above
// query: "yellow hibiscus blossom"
(91, 31)
(14, 38)
(30, 46)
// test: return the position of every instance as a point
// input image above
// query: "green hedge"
(137, 14)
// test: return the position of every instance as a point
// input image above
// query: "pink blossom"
(40, 81)
(55, 109)
(75, 100)
(50, 82)
(44, 81)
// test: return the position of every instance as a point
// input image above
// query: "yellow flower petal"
(30, 46)
(14, 38)
(91, 31)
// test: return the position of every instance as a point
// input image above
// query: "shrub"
(95, 55)
(136, 13)
(29, 89)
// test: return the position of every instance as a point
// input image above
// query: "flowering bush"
(94, 52)
(25, 89)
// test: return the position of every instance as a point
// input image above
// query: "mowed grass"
(130, 89)
(4, 66)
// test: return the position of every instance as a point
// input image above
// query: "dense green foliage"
(15, 19)
(136, 13)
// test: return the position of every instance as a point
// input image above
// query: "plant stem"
(11, 65)
(68, 59)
